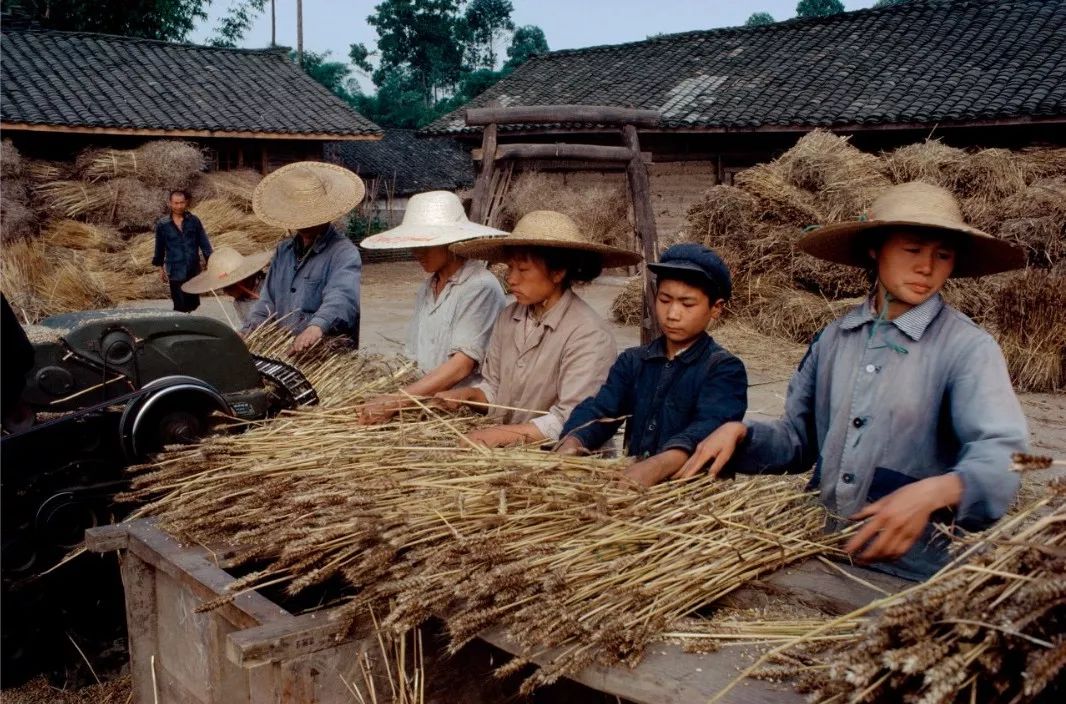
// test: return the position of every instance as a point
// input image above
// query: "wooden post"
(479, 205)
(644, 224)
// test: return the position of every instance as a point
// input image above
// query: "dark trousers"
(183, 302)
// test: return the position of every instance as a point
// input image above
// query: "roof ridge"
(279, 50)
(782, 25)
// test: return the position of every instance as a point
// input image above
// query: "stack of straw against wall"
(601, 212)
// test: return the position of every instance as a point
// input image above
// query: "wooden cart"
(252, 650)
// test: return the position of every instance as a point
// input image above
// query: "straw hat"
(545, 228)
(305, 194)
(920, 205)
(432, 219)
(225, 268)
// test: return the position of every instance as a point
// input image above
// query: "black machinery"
(107, 389)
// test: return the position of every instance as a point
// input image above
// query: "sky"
(333, 25)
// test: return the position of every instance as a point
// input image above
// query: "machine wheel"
(176, 414)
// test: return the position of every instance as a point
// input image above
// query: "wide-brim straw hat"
(226, 267)
(305, 194)
(549, 229)
(914, 205)
(432, 219)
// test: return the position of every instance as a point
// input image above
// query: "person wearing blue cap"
(679, 387)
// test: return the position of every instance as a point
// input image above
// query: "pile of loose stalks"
(418, 523)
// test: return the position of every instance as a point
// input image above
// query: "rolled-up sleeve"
(990, 427)
(723, 397)
(473, 322)
(340, 292)
(788, 445)
(584, 366)
(614, 399)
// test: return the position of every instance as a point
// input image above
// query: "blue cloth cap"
(690, 261)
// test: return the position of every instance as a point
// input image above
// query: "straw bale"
(11, 163)
(137, 205)
(628, 306)
(236, 239)
(22, 266)
(138, 255)
(219, 215)
(80, 235)
(1042, 238)
(774, 308)
(1040, 163)
(236, 186)
(162, 164)
(39, 171)
(723, 218)
(931, 161)
(780, 201)
(17, 219)
(601, 212)
(1029, 317)
(78, 199)
(990, 174)
(70, 288)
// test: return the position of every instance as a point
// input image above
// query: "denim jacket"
(180, 250)
(878, 404)
(320, 289)
(673, 403)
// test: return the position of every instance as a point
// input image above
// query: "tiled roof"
(412, 163)
(79, 80)
(924, 61)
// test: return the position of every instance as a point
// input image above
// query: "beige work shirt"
(548, 365)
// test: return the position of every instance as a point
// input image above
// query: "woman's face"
(530, 281)
(913, 268)
(432, 259)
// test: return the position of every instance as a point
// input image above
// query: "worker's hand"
(163, 274)
(572, 447)
(644, 473)
(380, 409)
(897, 520)
(452, 399)
(497, 436)
(306, 339)
(718, 446)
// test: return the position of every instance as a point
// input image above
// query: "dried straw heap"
(96, 214)
(417, 523)
(1019, 196)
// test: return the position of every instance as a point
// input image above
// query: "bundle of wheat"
(163, 163)
(931, 161)
(1030, 323)
(80, 235)
(137, 205)
(38, 171)
(628, 306)
(11, 162)
(22, 266)
(601, 212)
(236, 186)
(78, 199)
(17, 219)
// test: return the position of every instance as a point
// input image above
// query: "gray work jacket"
(877, 404)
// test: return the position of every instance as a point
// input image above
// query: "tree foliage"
(236, 22)
(819, 8)
(527, 40)
(166, 20)
(759, 19)
(483, 26)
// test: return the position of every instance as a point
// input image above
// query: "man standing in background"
(179, 239)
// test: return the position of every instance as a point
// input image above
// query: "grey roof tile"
(409, 163)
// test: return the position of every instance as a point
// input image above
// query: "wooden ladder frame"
(627, 120)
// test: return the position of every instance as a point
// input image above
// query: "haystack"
(11, 163)
(1030, 323)
(17, 219)
(931, 161)
(602, 212)
(162, 164)
(236, 186)
(137, 205)
(628, 306)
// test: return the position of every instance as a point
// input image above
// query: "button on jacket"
(673, 403)
(180, 249)
(562, 360)
(320, 288)
(460, 319)
(878, 404)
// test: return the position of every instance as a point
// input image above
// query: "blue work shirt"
(878, 404)
(673, 403)
(180, 249)
(318, 287)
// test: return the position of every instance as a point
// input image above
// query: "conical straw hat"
(914, 205)
(432, 219)
(544, 228)
(225, 268)
(305, 194)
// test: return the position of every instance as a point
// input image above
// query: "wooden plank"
(280, 640)
(106, 538)
(140, 132)
(644, 223)
(483, 186)
(206, 581)
(184, 640)
(548, 114)
(138, 582)
(822, 586)
(586, 152)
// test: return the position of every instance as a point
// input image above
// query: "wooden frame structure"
(626, 120)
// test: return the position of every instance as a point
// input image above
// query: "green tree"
(332, 74)
(236, 22)
(758, 19)
(527, 41)
(483, 25)
(819, 8)
(166, 20)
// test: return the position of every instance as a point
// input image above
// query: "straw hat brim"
(978, 253)
(495, 249)
(415, 236)
(205, 282)
(274, 206)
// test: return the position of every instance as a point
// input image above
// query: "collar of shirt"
(913, 323)
(656, 349)
(468, 269)
(318, 245)
(553, 317)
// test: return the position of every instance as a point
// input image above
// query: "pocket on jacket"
(311, 298)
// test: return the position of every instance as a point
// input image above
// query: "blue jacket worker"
(903, 406)
(312, 287)
(678, 388)
(179, 240)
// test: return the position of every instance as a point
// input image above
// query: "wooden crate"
(249, 650)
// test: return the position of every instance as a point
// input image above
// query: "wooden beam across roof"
(141, 132)
(549, 114)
